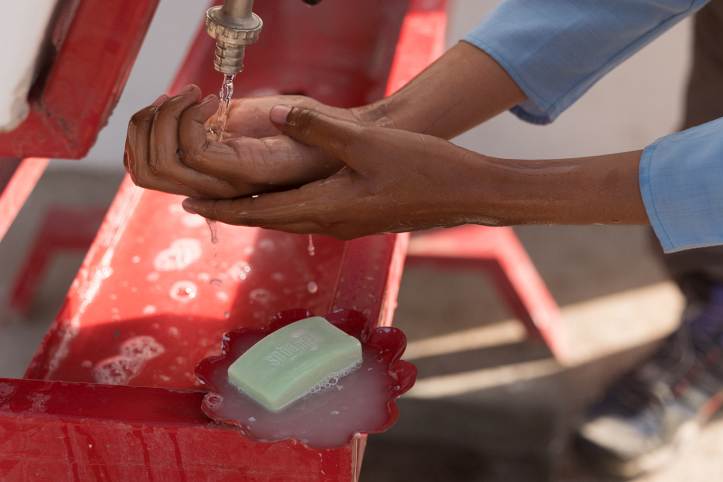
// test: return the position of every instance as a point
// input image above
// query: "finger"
(137, 153)
(273, 161)
(334, 136)
(192, 130)
(164, 149)
(304, 205)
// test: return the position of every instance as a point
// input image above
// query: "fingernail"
(160, 100)
(186, 89)
(279, 114)
(188, 206)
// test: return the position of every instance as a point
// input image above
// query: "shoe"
(650, 412)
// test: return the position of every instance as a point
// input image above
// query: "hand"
(393, 181)
(168, 148)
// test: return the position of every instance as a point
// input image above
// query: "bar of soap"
(290, 362)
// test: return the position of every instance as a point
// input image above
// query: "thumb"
(333, 136)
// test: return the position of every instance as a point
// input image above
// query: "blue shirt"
(557, 49)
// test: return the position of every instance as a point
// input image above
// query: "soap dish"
(363, 402)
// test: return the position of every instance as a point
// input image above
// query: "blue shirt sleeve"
(555, 50)
(681, 181)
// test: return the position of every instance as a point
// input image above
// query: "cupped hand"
(169, 148)
(393, 181)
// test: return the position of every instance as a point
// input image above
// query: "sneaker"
(653, 410)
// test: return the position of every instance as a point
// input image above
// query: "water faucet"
(234, 26)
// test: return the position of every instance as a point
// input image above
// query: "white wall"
(637, 103)
(173, 27)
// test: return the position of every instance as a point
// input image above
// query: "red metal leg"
(62, 229)
(499, 251)
(17, 180)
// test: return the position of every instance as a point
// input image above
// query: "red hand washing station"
(111, 392)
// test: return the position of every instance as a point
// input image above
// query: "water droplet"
(227, 314)
(149, 310)
(252, 419)
(311, 247)
(153, 276)
(87, 364)
(212, 226)
(136, 259)
(334, 412)
(312, 287)
(183, 291)
(222, 296)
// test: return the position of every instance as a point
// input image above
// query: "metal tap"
(234, 26)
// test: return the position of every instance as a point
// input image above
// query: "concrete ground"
(490, 405)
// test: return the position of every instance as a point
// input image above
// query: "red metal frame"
(17, 180)
(63, 228)
(96, 43)
(83, 431)
(62, 426)
(498, 252)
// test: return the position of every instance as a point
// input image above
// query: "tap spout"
(234, 26)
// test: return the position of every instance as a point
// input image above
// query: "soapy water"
(326, 417)
(180, 255)
(330, 415)
(133, 355)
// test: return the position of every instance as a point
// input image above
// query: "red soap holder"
(383, 348)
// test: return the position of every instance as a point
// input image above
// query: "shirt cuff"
(681, 182)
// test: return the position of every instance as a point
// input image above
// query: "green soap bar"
(287, 364)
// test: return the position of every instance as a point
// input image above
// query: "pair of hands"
(293, 164)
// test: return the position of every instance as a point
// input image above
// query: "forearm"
(462, 89)
(589, 190)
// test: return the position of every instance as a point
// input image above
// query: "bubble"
(179, 256)
(240, 270)
(214, 400)
(117, 370)
(312, 287)
(183, 291)
(260, 295)
(173, 331)
(144, 347)
(267, 245)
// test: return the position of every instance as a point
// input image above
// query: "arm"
(397, 181)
